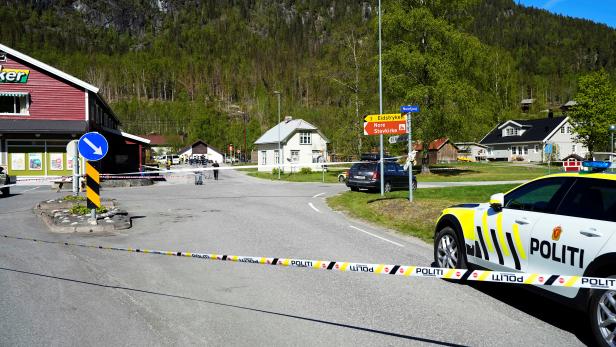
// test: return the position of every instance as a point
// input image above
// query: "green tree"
(595, 110)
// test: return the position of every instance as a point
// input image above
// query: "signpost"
(93, 147)
(72, 151)
(408, 109)
(548, 149)
(385, 124)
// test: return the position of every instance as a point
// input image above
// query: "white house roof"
(52, 70)
(287, 129)
(570, 103)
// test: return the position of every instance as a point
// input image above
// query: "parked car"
(5, 181)
(367, 176)
(342, 177)
(174, 159)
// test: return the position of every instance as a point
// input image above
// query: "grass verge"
(417, 219)
(331, 176)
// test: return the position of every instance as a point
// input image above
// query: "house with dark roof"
(526, 140)
(200, 148)
(301, 144)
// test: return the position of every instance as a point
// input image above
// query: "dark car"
(367, 176)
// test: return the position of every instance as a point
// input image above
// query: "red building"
(43, 108)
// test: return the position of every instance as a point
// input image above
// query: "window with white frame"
(512, 132)
(569, 129)
(294, 155)
(315, 156)
(574, 148)
(305, 138)
(276, 157)
(264, 157)
(490, 151)
(525, 148)
(562, 130)
(536, 148)
(14, 103)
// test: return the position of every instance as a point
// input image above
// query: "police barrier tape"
(384, 269)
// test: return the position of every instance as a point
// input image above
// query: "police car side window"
(590, 198)
(538, 196)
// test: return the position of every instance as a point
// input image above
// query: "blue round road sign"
(93, 146)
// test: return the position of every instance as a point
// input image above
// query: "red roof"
(156, 140)
(434, 145)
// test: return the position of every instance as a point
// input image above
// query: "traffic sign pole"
(93, 147)
(408, 129)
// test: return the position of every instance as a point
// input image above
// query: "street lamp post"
(279, 153)
(381, 106)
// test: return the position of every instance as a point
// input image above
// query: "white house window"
(305, 138)
(14, 103)
(574, 148)
(512, 132)
(264, 157)
(315, 156)
(525, 150)
(562, 130)
(536, 148)
(490, 151)
(569, 129)
(276, 157)
(295, 155)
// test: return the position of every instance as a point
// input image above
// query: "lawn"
(417, 219)
(331, 175)
(483, 172)
(454, 172)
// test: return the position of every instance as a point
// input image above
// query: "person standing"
(215, 165)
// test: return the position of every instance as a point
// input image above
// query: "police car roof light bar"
(597, 166)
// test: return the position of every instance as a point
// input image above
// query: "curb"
(101, 227)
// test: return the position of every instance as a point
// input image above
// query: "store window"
(14, 103)
(305, 138)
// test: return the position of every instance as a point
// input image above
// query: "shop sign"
(13, 75)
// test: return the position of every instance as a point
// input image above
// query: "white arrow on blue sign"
(93, 146)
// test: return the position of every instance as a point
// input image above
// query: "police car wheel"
(603, 316)
(447, 250)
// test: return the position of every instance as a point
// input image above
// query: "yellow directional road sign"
(393, 117)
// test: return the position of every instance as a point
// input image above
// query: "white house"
(525, 140)
(302, 144)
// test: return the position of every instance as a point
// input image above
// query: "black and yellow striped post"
(93, 185)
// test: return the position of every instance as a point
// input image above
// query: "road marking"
(316, 196)
(377, 236)
(314, 208)
(31, 189)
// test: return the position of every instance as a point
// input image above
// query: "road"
(58, 295)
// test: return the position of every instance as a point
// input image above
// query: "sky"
(601, 11)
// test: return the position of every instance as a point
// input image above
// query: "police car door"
(507, 233)
(566, 242)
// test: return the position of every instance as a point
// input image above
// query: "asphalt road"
(59, 295)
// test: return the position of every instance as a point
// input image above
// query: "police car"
(561, 224)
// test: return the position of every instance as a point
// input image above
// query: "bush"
(74, 198)
(305, 170)
(275, 171)
(83, 210)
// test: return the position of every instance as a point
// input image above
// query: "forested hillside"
(191, 66)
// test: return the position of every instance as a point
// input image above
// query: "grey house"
(525, 140)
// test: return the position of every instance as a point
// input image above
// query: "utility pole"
(381, 106)
(279, 152)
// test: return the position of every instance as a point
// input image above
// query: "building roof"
(434, 145)
(43, 126)
(156, 140)
(537, 130)
(52, 70)
(287, 129)
(461, 144)
(127, 135)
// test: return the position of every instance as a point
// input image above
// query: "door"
(567, 241)
(505, 236)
